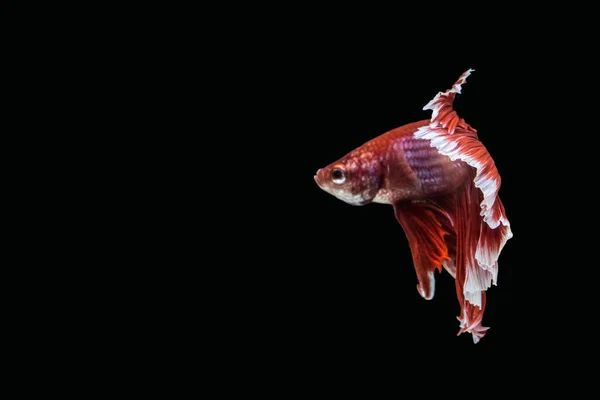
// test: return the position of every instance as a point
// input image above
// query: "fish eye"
(338, 175)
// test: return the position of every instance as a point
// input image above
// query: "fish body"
(394, 167)
(443, 186)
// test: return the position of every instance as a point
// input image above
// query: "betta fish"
(443, 186)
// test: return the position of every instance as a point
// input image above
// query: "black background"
(299, 273)
(221, 261)
(251, 256)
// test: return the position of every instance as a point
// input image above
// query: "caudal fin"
(485, 230)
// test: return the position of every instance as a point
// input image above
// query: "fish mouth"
(316, 177)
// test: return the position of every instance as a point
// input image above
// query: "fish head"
(355, 178)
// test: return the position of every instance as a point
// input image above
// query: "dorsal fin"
(466, 147)
(443, 114)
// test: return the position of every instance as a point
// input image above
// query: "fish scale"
(436, 172)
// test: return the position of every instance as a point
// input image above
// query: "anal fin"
(431, 239)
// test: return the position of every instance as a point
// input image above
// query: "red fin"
(457, 140)
(470, 320)
(478, 216)
(443, 115)
(430, 236)
(471, 279)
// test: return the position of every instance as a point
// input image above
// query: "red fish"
(443, 185)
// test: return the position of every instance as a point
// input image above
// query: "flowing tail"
(479, 220)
